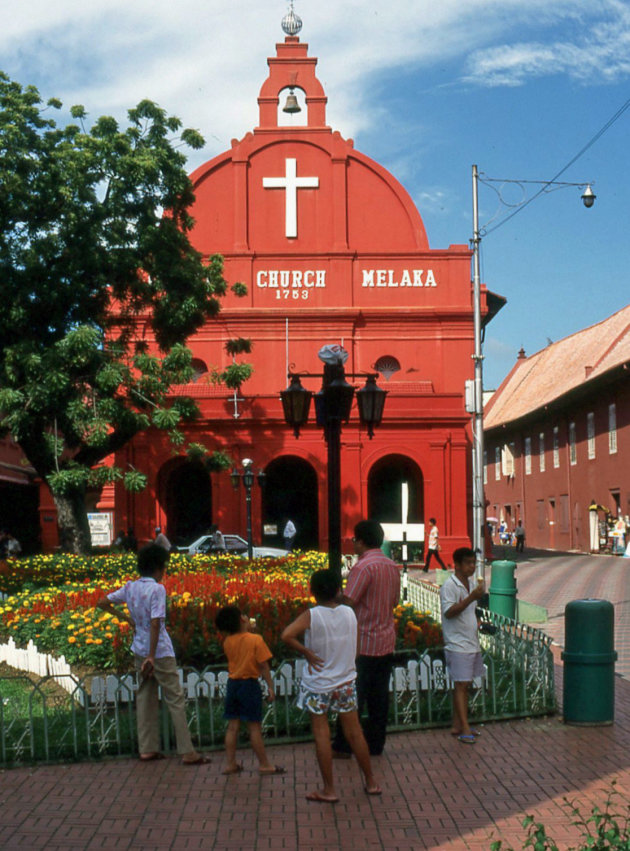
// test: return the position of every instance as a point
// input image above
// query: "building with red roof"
(557, 437)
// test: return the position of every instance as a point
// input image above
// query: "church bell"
(292, 104)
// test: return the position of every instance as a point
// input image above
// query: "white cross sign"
(291, 182)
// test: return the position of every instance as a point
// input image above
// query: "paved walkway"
(554, 579)
(438, 794)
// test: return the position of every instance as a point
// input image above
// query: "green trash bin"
(503, 588)
(589, 662)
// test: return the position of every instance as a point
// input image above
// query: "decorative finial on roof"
(521, 353)
(291, 23)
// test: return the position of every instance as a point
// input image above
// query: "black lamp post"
(332, 407)
(246, 475)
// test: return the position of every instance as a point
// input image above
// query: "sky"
(517, 87)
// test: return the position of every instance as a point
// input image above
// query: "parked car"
(234, 544)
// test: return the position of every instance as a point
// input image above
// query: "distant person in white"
(433, 547)
(161, 540)
(289, 535)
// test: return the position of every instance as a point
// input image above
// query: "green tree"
(89, 263)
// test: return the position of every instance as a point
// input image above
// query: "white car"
(233, 544)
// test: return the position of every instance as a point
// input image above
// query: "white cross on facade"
(291, 182)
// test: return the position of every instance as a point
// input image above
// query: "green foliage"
(239, 289)
(238, 346)
(602, 830)
(234, 375)
(219, 461)
(87, 255)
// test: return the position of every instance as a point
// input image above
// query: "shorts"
(243, 701)
(464, 667)
(342, 699)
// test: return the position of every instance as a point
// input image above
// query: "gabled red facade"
(557, 437)
(332, 250)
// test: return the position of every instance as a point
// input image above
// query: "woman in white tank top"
(328, 680)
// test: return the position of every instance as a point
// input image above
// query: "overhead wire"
(548, 183)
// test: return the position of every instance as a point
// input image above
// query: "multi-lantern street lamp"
(333, 403)
(247, 477)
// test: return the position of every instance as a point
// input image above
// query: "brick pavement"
(438, 794)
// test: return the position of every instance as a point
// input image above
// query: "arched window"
(387, 365)
(199, 367)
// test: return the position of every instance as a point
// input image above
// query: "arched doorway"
(186, 494)
(385, 488)
(290, 491)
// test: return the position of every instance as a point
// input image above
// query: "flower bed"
(62, 619)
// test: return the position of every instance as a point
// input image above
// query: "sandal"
(466, 739)
(277, 769)
(152, 757)
(237, 770)
(201, 760)
(320, 799)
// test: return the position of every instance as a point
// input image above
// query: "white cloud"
(599, 51)
(204, 60)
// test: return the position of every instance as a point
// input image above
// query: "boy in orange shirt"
(248, 659)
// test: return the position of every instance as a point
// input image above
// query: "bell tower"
(291, 69)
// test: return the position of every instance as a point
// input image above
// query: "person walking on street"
(373, 591)
(433, 547)
(519, 534)
(289, 534)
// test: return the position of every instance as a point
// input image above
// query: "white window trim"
(572, 444)
(528, 456)
(541, 451)
(590, 435)
(612, 429)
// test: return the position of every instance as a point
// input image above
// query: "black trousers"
(430, 554)
(373, 675)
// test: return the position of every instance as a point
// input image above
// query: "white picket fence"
(417, 675)
(30, 659)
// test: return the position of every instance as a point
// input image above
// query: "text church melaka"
(332, 250)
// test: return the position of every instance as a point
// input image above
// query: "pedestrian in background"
(433, 548)
(289, 534)
(161, 540)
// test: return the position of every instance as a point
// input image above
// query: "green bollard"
(589, 663)
(503, 588)
(386, 548)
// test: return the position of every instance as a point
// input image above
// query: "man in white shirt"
(433, 546)
(461, 637)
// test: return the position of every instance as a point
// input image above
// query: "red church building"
(332, 250)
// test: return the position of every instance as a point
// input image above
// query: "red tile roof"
(547, 375)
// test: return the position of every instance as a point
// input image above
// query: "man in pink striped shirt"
(373, 591)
